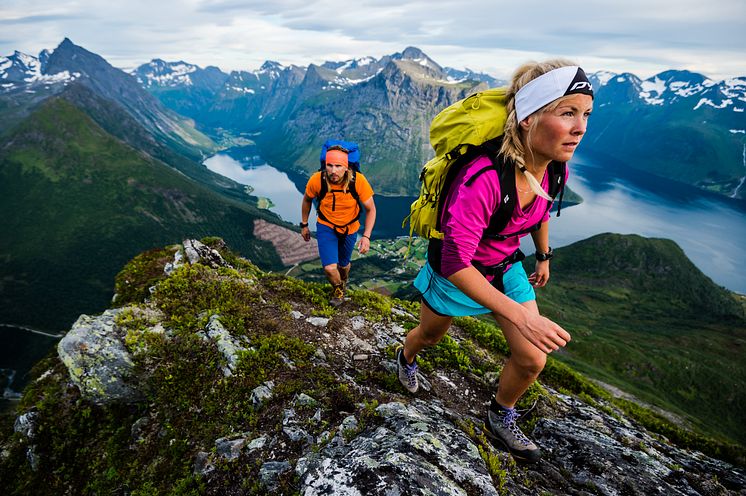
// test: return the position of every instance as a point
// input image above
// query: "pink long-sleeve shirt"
(467, 213)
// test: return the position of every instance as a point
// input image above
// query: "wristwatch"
(303, 224)
(543, 257)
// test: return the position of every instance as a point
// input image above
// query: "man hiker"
(339, 190)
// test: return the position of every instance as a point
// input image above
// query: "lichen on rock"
(97, 360)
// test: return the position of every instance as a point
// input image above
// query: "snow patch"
(707, 101)
(604, 77)
(239, 89)
(652, 90)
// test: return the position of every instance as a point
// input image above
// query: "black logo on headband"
(580, 84)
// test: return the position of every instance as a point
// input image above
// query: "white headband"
(548, 87)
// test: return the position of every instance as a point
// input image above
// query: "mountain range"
(677, 124)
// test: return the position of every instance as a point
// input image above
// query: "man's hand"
(363, 245)
(306, 233)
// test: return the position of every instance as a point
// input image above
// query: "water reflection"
(266, 181)
(709, 228)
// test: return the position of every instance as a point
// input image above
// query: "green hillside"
(645, 319)
(78, 203)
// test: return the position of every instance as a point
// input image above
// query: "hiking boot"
(407, 373)
(501, 426)
(344, 275)
(338, 296)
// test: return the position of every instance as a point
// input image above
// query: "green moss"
(497, 467)
(133, 282)
(446, 354)
(560, 375)
(283, 289)
(486, 334)
(195, 292)
(377, 306)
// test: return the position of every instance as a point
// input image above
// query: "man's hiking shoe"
(501, 426)
(343, 276)
(407, 373)
(338, 296)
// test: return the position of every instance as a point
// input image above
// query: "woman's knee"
(432, 336)
(531, 364)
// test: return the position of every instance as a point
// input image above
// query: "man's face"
(335, 172)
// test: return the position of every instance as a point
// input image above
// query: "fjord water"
(710, 228)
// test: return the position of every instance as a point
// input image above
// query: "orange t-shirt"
(337, 206)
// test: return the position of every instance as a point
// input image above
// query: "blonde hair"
(514, 146)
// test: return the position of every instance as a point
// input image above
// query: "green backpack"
(456, 133)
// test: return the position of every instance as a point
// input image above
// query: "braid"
(514, 146)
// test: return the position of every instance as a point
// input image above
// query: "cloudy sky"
(642, 37)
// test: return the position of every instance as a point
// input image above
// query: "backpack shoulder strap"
(324, 187)
(353, 186)
(501, 217)
(557, 178)
(557, 172)
(508, 196)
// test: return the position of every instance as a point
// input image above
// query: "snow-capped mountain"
(667, 88)
(84, 79)
(467, 74)
(159, 73)
(26, 72)
(677, 124)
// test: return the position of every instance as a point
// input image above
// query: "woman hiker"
(548, 107)
(338, 211)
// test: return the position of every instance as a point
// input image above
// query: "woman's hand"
(540, 277)
(543, 333)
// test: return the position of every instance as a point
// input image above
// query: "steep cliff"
(209, 376)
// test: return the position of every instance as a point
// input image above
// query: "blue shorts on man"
(334, 248)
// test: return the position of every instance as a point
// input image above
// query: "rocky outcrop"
(98, 363)
(273, 398)
(418, 450)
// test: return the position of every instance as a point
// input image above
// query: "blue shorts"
(446, 299)
(333, 248)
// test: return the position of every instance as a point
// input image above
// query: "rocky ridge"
(228, 380)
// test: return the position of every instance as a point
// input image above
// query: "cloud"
(635, 36)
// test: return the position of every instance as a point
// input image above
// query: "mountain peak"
(416, 55)
(66, 43)
(269, 65)
(412, 53)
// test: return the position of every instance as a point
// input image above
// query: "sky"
(641, 37)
